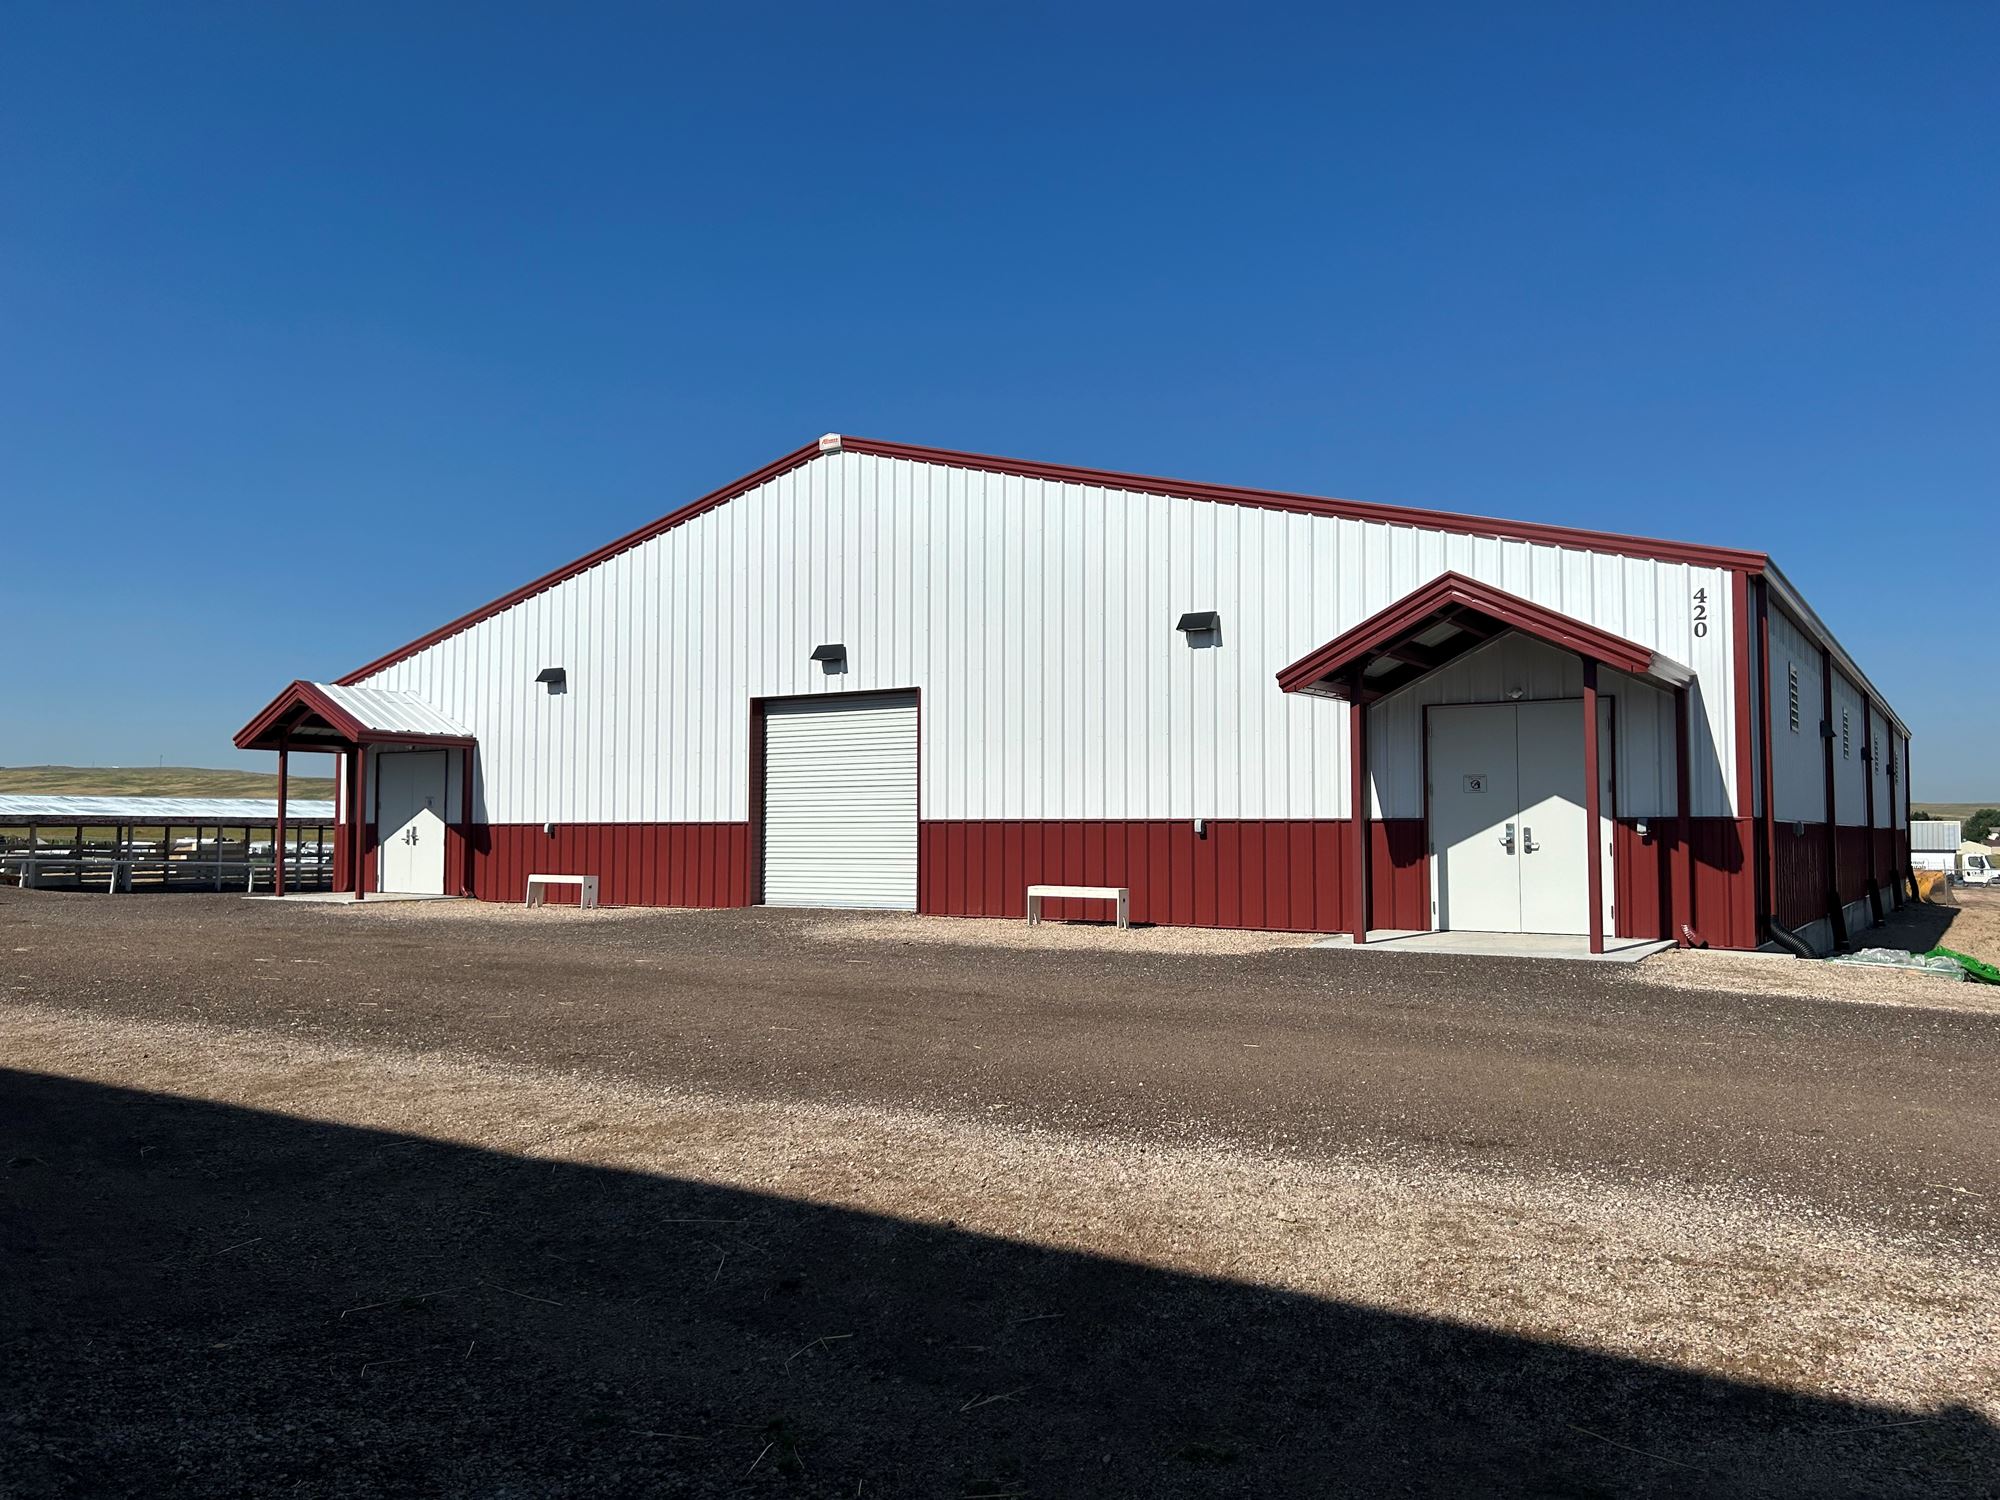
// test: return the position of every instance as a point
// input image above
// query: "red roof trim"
(610, 550)
(1414, 610)
(1359, 510)
(1314, 505)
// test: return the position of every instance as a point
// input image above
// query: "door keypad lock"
(1528, 844)
(1507, 839)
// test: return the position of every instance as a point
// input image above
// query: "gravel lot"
(1970, 925)
(454, 1200)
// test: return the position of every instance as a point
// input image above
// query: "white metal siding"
(1936, 837)
(1878, 768)
(1036, 616)
(1798, 769)
(1850, 771)
(840, 803)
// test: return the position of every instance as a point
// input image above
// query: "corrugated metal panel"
(1850, 744)
(1798, 767)
(31, 807)
(1037, 617)
(391, 712)
(840, 803)
(1884, 749)
(1936, 838)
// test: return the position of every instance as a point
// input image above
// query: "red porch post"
(1683, 901)
(278, 834)
(465, 821)
(1357, 805)
(1591, 809)
(360, 821)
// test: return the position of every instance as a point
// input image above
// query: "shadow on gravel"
(1917, 925)
(206, 1300)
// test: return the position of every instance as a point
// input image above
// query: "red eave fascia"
(1414, 608)
(1652, 548)
(1393, 515)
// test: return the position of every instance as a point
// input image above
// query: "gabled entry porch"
(404, 785)
(1516, 780)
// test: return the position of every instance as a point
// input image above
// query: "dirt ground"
(436, 1200)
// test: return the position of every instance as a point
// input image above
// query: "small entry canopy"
(331, 719)
(324, 716)
(1447, 617)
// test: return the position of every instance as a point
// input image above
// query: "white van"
(1977, 869)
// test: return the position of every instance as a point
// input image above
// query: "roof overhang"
(321, 716)
(1438, 623)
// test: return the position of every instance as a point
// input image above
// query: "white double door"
(409, 821)
(1509, 828)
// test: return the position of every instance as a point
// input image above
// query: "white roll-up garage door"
(840, 802)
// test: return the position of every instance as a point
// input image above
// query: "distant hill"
(154, 781)
(1952, 812)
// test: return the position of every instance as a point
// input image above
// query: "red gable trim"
(610, 550)
(300, 695)
(1414, 611)
(261, 733)
(1313, 505)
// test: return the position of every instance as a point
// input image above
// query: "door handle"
(1528, 844)
(1507, 839)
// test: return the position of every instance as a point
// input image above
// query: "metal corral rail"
(162, 843)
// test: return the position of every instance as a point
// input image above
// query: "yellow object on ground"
(1928, 881)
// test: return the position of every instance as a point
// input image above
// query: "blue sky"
(493, 284)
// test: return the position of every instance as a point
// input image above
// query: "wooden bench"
(538, 888)
(1122, 894)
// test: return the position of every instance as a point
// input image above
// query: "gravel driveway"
(452, 1200)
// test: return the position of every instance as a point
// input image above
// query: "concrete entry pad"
(1504, 945)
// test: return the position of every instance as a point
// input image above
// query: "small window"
(1846, 737)
(1792, 690)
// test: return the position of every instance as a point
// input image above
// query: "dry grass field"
(156, 781)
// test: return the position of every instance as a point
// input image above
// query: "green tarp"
(1972, 966)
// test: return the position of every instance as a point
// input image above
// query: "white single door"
(409, 821)
(1475, 814)
(840, 802)
(1554, 842)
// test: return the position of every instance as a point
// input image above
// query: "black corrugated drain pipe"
(1791, 942)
